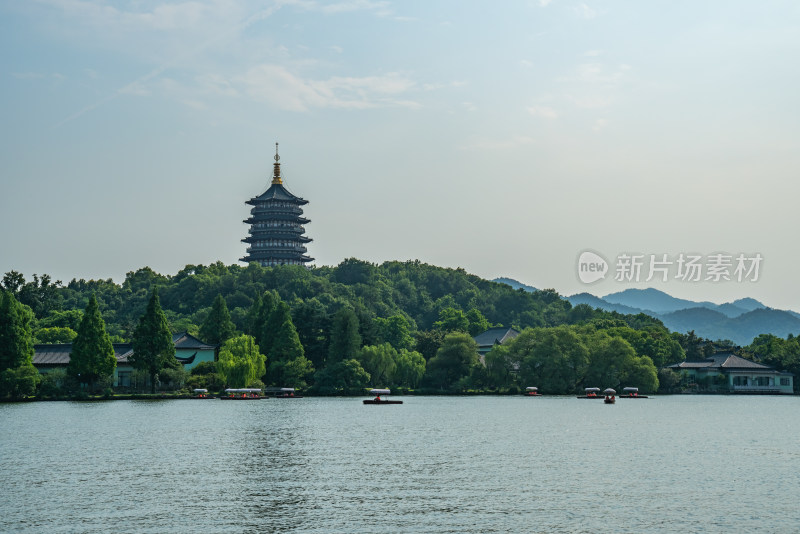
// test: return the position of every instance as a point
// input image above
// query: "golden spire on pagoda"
(276, 173)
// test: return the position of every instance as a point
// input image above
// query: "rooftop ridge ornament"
(276, 172)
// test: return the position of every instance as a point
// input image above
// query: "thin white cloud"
(525, 63)
(542, 111)
(380, 8)
(592, 53)
(499, 144)
(599, 124)
(279, 87)
(469, 106)
(544, 3)
(584, 11)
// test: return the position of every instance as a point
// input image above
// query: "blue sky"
(504, 138)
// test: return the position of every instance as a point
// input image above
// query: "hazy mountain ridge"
(740, 320)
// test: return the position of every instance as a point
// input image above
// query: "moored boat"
(631, 393)
(242, 394)
(287, 393)
(378, 399)
(591, 393)
(201, 394)
(532, 392)
(609, 396)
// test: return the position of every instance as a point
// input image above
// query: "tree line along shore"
(336, 331)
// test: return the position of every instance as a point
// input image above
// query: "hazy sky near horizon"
(501, 137)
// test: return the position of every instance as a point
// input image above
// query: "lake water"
(433, 464)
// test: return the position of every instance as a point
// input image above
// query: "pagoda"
(276, 225)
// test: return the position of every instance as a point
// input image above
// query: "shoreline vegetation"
(338, 331)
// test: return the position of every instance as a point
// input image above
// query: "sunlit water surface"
(433, 464)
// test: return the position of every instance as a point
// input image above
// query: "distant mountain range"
(740, 320)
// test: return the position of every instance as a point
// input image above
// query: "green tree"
(284, 342)
(264, 326)
(380, 362)
(92, 355)
(311, 320)
(477, 322)
(16, 343)
(292, 373)
(410, 368)
(241, 361)
(427, 342)
(153, 349)
(395, 330)
(218, 327)
(346, 377)
(344, 338)
(500, 368)
(552, 359)
(452, 320)
(453, 361)
(55, 334)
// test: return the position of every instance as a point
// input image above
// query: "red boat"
(591, 393)
(631, 393)
(242, 394)
(287, 393)
(532, 392)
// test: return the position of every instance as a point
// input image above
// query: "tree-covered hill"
(355, 323)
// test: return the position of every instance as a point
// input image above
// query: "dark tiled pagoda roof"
(277, 192)
(497, 335)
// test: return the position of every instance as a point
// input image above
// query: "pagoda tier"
(276, 225)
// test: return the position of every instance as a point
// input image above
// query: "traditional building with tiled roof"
(494, 336)
(276, 225)
(740, 375)
(189, 351)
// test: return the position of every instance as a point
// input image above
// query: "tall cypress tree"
(153, 348)
(218, 327)
(92, 355)
(285, 343)
(345, 339)
(265, 333)
(16, 342)
(252, 326)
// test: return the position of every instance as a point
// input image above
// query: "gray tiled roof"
(58, 354)
(499, 334)
(185, 340)
(724, 360)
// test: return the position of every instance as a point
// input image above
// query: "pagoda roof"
(277, 192)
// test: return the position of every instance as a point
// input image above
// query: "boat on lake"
(287, 393)
(631, 393)
(532, 392)
(242, 394)
(591, 393)
(378, 399)
(201, 394)
(609, 396)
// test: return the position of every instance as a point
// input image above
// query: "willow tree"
(241, 362)
(153, 349)
(92, 355)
